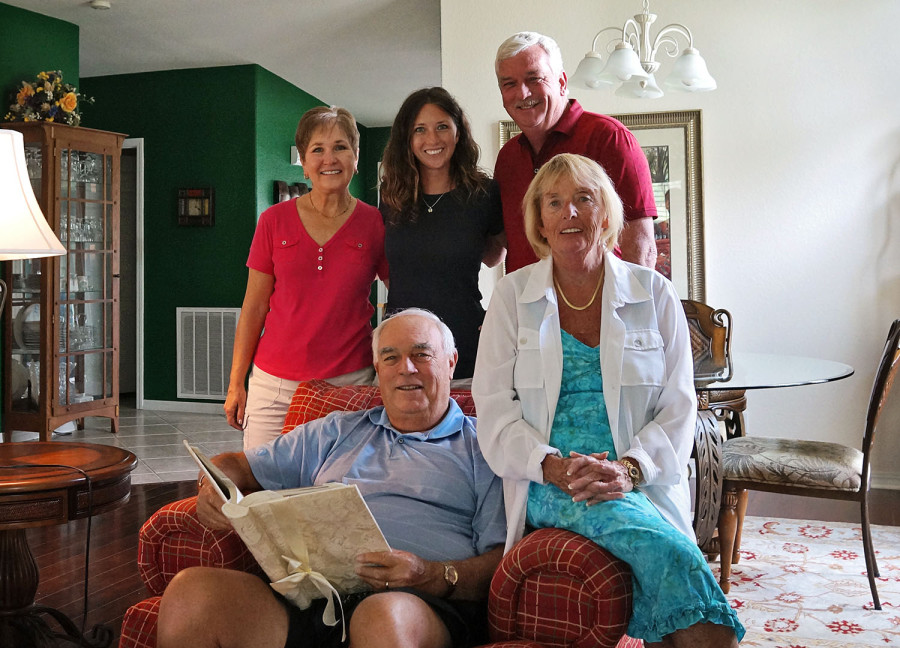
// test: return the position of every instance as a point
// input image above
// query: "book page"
(308, 531)
(223, 485)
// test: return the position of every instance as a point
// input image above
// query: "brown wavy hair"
(400, 182)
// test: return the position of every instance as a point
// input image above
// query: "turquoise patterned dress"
(673, 586)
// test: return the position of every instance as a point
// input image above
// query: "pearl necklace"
(433, 205)
(593, 297)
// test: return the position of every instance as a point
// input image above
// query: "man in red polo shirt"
(534, 89)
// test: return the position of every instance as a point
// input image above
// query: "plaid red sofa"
(554, 589)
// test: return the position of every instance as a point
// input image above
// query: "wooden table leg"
(728, 518)
(708, 488)
(21, 621)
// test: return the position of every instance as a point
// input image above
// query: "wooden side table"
(42, 484)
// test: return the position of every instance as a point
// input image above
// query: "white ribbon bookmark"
(291, 587)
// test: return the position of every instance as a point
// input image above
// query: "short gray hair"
(523, 40)
(448, 345)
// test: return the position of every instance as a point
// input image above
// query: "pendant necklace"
(434, 204)
(593, 297)
(341, 213)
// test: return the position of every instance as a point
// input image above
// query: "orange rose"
(68, 102)
(26, 92)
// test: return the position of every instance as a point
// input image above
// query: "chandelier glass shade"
(632, 63)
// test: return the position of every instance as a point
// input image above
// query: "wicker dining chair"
(808, 468)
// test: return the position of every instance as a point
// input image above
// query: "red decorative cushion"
(317, 398)
(559, 589)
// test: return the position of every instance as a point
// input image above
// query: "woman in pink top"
(312, 262)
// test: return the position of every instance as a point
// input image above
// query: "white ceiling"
(364, 55)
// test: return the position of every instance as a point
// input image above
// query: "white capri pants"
(268, 399)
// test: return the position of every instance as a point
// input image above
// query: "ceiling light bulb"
(100, 4)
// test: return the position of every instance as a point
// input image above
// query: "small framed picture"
(196, 207)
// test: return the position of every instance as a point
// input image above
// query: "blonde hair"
(585, 173)
(325, 116)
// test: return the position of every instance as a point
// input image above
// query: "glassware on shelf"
(34, 380)
(66, 379)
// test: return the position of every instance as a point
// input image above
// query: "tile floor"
(156, 437)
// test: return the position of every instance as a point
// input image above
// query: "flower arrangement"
(47, 98)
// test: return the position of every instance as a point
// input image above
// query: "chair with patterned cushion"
(809, 468)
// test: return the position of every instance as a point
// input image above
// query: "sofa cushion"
(314, 399)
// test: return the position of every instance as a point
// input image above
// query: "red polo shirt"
(599, 137)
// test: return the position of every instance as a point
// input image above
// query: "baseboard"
(184, 406)
(886, 481)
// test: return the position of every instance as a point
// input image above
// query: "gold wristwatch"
(634, 473)
(451, 576)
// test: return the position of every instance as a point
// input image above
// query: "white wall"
(801, 164)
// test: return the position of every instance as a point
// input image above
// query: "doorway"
(131, 293)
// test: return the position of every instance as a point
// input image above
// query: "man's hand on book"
(209, 507)
(392, 569)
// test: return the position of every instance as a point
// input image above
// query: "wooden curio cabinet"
(61, 340)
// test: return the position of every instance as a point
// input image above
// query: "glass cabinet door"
(85, 314)
(25, 311)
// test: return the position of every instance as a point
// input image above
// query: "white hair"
(523, 40)
(448, 345)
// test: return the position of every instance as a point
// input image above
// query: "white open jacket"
(648, 383)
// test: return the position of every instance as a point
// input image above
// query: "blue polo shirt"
(431, 492)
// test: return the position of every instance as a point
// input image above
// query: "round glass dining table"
(773, 370)
(714, 387)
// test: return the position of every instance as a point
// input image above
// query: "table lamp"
(24, 232)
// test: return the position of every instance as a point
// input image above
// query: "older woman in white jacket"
(586, 407)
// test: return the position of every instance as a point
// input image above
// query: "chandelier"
(632, 60)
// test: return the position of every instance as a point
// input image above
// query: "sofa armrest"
(557, 588)
(174, 539)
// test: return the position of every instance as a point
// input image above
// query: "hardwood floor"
(115, 584)
(113, 579)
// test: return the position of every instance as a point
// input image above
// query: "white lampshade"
(623, 64)
(24, 232)
(587, 75)
(640, 89)
(689, 74)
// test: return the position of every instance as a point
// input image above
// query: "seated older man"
(418, 466)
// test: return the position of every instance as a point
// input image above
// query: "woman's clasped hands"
(588, 478)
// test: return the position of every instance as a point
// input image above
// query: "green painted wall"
(195, 135)
(30, 43)
(198, 132)
(279, 106)
(376, 140)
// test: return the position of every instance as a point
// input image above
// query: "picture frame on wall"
(197, 207)
(672, 143)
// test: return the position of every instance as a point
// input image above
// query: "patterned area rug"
(802, 584)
